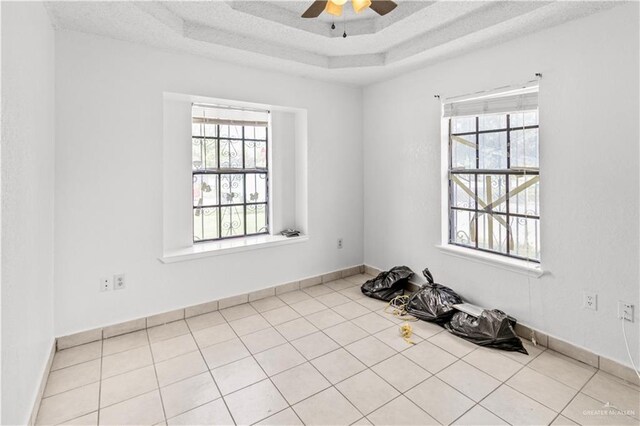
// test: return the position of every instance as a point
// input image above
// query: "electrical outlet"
(118, 281)
(106, 284)
(590, 301)
(339, 243)
(625, 311)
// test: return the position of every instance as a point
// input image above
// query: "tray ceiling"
(271, 34)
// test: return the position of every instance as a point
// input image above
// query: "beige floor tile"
(606, 388)
(453, 344)
(307, 307)
(168, 331)
(267, 304)
(126, 361)
(224, 353)
(353, 293)
(358, 279)
(479, 416)
(76, 355)
(400, 372)
(294, 297)
(372, 304)
(318, 290)
(285, 417)
(263, 340)
(543, 389)
(125, 342)
(313, 411)
(325, 319)
(338, 365)
(372, 323)
(585, 410)
(296, 329)
(128, 385)
(300, 382)
(237, 375)
(362, 422)
(516, 408)
(90, 419)
(563, 421)
(426, 329)
(429, 356)
(533, 352)
(212, 413)
(351, 310)
(173, 347)
(333, 299)
(249, 324)
(142, 410)
(341, 284)
(212, 335)
(180, 367)
(439, 400)
(345, 333)
(207, 320)
(469, 380)
(493, 363)
(278, 359)
(314, 345)
(367, 391)
(392, 337)
(280, 315)
(72, 377)
(238, 312)
(255, 403)
(187, 394)
(370, 350)
(400, 412)
(68, 405)
(565, 370)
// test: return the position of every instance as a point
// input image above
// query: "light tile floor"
(325, 355)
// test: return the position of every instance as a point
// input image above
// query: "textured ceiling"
(271, 34)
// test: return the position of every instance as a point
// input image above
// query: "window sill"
(514, 265)
(236, 245)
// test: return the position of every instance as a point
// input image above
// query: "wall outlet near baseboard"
(339, 243)
(106, 284)
(625, 311)
(590, 300)
(118, 282)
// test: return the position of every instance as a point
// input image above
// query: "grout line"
(100, 377)
(209, 370)
(155, 371)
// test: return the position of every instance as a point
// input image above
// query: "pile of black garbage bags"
(434, 302)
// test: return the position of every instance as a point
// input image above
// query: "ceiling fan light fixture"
(360, 5)
(333, 9)
(338, 2)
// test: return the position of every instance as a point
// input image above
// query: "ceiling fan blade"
(315, 9)
(382, 7)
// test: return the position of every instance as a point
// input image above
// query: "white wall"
(27, 154)
(108, 212)
(589, 176)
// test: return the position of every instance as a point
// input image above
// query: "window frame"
(219, 172)
(477, 171)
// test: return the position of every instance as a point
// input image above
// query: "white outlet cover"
(590, 301)
(106, 284)
(625, 311)
(118, 282)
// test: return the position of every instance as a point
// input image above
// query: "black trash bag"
(388, 284)
(433, 302)
(493, 328)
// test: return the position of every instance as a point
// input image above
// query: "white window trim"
(229, 246)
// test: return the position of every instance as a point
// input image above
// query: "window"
(494, 175)
(230, 172)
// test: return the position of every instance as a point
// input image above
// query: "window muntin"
(494, 195)
(230, 175)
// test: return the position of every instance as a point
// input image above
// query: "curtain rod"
(512, 86)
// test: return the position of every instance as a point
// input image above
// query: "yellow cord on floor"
(398, 309)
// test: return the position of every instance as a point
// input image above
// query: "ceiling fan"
(334, 7)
